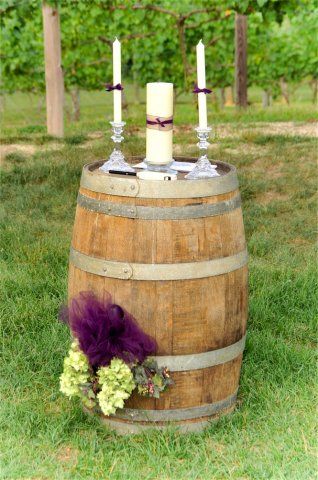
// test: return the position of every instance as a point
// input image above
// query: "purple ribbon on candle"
(201, 90)
(161, 123)
(110, 87)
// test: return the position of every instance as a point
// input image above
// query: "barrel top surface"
(127, 186)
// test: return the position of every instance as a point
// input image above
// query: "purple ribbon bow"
(161, 123)
(201, 90)
(110, 87)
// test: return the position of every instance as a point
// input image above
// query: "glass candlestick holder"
(117, 160)
(152, 167)
(203, 168)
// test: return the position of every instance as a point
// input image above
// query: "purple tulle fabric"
(104, 330)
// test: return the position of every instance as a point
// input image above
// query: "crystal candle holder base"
(203, 168)
(159, 168)
(116, 159)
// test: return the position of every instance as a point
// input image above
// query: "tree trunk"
(229, 98)
(241, 59)
(284, 89)
(183, 49)
(40, 104)
(75, 96)
(136, 88)
(314, 86)
(266, 97)
(136, 93)
(222, 91)
(124, 100)
(2, 103)
(53, 71)
(175, 96)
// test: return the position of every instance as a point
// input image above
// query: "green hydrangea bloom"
(76, 375)
(116, 383)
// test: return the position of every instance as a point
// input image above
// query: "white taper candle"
(203, 121)
(117, 79)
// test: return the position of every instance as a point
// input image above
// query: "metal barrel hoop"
(157, 271)
(199, 210)
(133, 187)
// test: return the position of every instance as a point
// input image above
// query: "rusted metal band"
(197, 361)
(176, 415)
(157, 271)
(158, 213)
(133, 187)
(128, 428)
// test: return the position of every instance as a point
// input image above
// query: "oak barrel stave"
(185, 316)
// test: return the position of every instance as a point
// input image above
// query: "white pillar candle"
(203, 121)
(159, 105)
(117, 79)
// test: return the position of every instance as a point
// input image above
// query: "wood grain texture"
(184, 316)
(159, 241)
(53, 70)
(194, 388)
(241, 59)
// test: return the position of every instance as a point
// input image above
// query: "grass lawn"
(271, 433)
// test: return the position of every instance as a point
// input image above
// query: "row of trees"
(159, 41)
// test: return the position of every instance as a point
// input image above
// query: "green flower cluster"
(150, 379)
(75, 379)
(109, 387)
(117, 383)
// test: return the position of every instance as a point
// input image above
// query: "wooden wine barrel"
(173, 254)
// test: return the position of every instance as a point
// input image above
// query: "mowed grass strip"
(271, 433)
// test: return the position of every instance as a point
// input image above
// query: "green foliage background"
(280, 42)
